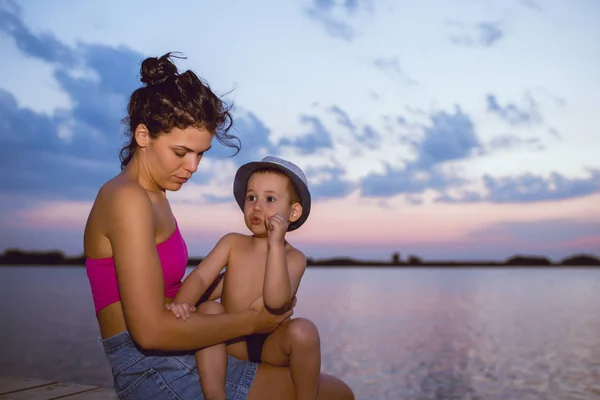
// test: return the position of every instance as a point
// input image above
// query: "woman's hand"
(264, 321)
(181, 310)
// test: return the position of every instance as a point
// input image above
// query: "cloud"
(465, 196)
(449, 137)
(336, 29)
(44, 46)
(391, 67)
(367, 135)
(325, 182)
(317, 138)
(484, 34)
(343, 118)
(35, 160)
(550, 232)
(76, 150)
(528, 188)
(510, 142)
(408, 180)
(555, 133)
(349, 6)
(328, 182)
(532, 4)
(489, 33)
(71, 153)
(333, 16)
(513, 114)
(414, 200)
(255, 139)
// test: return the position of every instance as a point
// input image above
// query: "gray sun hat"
(291, 170)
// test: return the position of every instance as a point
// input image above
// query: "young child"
(275, 199)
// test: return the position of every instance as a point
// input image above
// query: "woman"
(136, 257)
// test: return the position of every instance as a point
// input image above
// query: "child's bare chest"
(244, 279)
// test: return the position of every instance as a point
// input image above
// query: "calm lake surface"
(415, 334)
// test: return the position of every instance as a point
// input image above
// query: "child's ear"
(296, 212)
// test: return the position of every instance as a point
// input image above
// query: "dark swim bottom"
(255, 345)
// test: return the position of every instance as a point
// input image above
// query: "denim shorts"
(141, 374)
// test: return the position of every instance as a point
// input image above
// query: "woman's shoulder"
(118, 188)
(119, 205)
(121, 196)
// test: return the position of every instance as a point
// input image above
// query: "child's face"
(268, 194)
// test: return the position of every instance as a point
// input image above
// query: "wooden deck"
(39, 389)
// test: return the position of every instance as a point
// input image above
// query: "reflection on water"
(416, 334)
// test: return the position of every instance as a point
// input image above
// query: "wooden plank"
(97, 394)
(48, 392)
(9, 384)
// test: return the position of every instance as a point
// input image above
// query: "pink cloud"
(583, 243)
(353, 224)
(53, 215)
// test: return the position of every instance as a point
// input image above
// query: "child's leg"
(296, 343)
(212, 361)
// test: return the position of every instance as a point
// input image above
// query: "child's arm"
(215, 290)
(284, 269)
(201, 278)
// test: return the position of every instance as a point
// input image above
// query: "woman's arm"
(140, 280)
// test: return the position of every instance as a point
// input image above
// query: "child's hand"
(276, 228)
(181, 310)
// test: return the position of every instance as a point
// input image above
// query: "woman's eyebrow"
(192, 151)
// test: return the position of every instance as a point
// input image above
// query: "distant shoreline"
(15, 257)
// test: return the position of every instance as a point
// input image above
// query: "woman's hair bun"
(157, 70)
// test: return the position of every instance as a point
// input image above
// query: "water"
(418, 334)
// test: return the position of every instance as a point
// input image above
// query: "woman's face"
(172, 158)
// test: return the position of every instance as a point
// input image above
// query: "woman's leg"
(212, 361)
(275, 383)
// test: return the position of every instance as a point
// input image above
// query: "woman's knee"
(331, 387)
(210, 307)
(273, 382)
(303, 332)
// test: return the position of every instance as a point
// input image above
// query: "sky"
(463, 129)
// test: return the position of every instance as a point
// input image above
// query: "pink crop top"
(173, 256)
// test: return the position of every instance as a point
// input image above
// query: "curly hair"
(170, 99)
